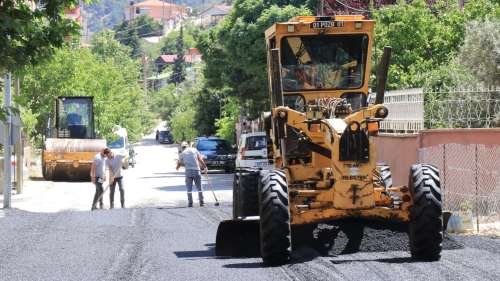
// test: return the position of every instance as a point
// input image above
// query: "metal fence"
(470, 177)
(406, 111)
(413, 110)
(463, 108)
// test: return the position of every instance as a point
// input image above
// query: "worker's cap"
(184, 144)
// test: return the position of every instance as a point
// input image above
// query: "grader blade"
(238, 238)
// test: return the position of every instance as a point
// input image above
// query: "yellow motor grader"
(70, 144)
(319, 135)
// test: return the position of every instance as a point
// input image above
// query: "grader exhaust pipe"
(382, 70)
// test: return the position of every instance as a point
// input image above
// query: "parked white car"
(120, 145)
(252, 151)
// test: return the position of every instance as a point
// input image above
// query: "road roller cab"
(319, 133)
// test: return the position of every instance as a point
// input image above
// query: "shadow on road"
(245, 265)
(384, 260)
(208, 253)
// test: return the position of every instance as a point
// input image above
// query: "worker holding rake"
(193, 163)
(98, 176)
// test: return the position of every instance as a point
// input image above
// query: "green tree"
(105, 46)
(165, 102)
(179, 69)
(235, 56)
(208, 106)
(183, 116)
(27, 36)
(227, 124)
(424, 39)
(480, 53)
(169, 42)
(117, 98)
(129, 32)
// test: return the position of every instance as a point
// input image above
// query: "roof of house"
(154, 3)
(217, 9)
(187, 58)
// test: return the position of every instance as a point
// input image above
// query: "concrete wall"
(401, 151)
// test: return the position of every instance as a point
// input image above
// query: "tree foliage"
(179, 68)
(27, 36)
(480, 53)
(164, 102)
(83, 72)
(129, 32)
(424, 38)
(169, 42)
(235, 56)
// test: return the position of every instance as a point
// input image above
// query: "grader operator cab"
(319, 134)
(70, 144)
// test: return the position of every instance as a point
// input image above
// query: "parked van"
(120, 145)
(252, 151)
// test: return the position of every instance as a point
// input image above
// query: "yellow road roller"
(70, 144)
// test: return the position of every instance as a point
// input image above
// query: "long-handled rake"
(211, 188)
(102, 194)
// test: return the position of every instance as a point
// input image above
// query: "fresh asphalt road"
(50, 234)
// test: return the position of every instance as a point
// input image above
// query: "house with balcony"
(213, 15)
(169, 14)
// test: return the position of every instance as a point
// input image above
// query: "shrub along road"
(52, 235)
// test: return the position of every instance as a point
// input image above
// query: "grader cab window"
(323, 62)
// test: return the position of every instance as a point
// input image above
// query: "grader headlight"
(382, 112)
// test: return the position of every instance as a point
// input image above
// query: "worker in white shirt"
(115, 164)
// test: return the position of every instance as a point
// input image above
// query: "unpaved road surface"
(51, 235)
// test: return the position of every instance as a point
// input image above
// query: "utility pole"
(7, 181)
(19, 148)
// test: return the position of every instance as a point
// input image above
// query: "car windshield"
(164, 133)
(213, 145)
(323, 62)
(118, 143)
(255, 143)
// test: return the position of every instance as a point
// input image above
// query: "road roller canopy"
(323, 57)
(74, 117)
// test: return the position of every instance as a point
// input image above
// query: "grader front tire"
(275, 234)
(426, 221)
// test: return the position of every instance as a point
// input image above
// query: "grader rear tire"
(249, 194)
(236, 181)
(245, 194)
(275, 237)
(426, 220)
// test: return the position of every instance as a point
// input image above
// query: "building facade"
(159, 10)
